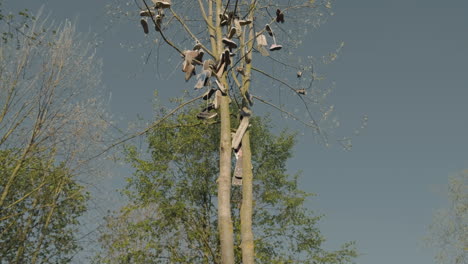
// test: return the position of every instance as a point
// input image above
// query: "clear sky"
(404, 65)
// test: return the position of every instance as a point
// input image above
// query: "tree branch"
(155, 124)
(184, 25)
(285, 112)
(160, 31)
(317, 128)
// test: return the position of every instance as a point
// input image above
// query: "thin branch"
(25, 196)
(191, 125)
(295, 91)
(160, 31)
(209, 23)
(285, 112)
(275, 79)
(283, 63)
(184, 25)
(155, 124)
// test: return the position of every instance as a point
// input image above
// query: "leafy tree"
(172, 212)
(40, 221)
(51, 121)
(449, 228)
(49, 101)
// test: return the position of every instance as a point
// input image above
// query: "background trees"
(171, 215)
(449, 228)
(51, 120)
(40, 223)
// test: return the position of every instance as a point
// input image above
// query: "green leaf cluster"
(448, 231)
(39, 220)
(172, 212)
(12, 25)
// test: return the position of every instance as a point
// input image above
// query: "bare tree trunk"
(224, 181)
(247, 237)
(224, 186)
(248, 249)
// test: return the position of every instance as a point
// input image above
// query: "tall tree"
(51, 120)
(234, 34)
(40, 223)
(172, 216)
(449, 228)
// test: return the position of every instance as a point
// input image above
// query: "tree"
(171, 215)
(15, 24)
(51, 121)
(39, 225)
(448, 231)
(227, 32)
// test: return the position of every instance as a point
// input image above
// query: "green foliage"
(172, 214)
(12, 25)
(50, 125)
(448, 231)
(40, 216)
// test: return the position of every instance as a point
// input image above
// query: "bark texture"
(224, 181)
(247, 237)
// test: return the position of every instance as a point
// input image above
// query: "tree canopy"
(40, 222)
(448, 231)
(51, 122)
(171, 215)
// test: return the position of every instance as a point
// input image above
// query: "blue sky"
(404, 65)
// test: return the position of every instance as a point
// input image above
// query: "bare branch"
(161, 32)
(184, 25)
(285, 112)
(155, 124)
